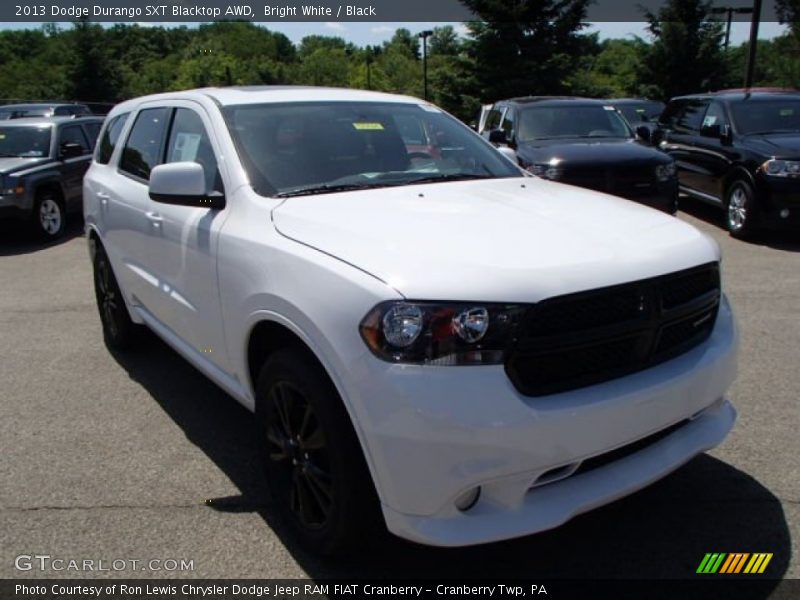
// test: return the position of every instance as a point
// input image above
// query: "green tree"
(91, 71)
(522, 47)
(686, 55)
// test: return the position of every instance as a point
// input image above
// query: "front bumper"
(433, 434)
(14, 207)
(773, 196)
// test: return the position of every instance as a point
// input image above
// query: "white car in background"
(433, 340)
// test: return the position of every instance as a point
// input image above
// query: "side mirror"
(71, 150)
(726, 135)
(645, 134)
(711, 131)
(509, 154)
(498, 137)
(184, 184)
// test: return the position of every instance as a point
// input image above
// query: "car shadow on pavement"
(661, 532)
(17, 238)
(779, 239)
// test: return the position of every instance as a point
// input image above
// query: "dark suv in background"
(583, 142)
(739, 150)
(43, 109)
(42, 164)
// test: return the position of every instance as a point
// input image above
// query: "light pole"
(425, 35)
(751, 56)
(730, 10)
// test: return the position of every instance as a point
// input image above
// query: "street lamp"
(730, 10)
(425, 35)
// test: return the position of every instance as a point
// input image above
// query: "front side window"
(189, 141)
(317, 147)
(781, 115)
(142, 151)
(110, 138)
(27, 142)
(691, 118)
(493, 119)
(571, 122)
(73, 135)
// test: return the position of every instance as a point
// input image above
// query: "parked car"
(43, 109)
(739, 150)
(586, 143)
(445, 345)
(42, 163)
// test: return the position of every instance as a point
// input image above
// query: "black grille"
(581, 339)
(602, 460)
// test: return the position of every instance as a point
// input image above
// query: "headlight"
(666, 172)
(781, 168)
(547, 171)
(441, 334)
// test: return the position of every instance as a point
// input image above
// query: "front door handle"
(155, 218)
(103, 197)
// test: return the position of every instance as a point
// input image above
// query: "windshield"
(318, 147)
(553, 122)
(24, 141)
(767, 116)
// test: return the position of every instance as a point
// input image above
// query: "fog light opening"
(785, 213)
(468, 499)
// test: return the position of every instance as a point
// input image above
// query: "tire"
(119, 331)
(740, 211)
(49, 217)
(319, 484)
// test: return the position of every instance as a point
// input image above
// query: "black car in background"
(43, 109)
(583, 142)
(739, 150)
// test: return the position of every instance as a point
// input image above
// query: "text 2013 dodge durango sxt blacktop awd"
(425, 334)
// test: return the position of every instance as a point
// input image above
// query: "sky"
(363, 34)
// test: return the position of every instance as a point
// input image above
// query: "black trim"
(214, 200)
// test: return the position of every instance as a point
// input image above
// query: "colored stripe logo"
(734, 563)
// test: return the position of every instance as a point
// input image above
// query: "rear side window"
(109, 140)
(143, 149)
(493, 119)
(669, 117)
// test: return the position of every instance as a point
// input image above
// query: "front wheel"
(318, 479)
(740, 209)
(49, 219)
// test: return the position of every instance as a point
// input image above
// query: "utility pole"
(751, 55)
(425, 35)
(729, 10)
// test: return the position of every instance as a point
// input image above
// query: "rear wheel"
(740, 209)
(49, 218)
(318, 479)
(119, 330)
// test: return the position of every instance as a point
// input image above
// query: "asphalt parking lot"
(108, 457)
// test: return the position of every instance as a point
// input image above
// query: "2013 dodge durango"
(433, 339)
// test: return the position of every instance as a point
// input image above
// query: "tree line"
(519, 48)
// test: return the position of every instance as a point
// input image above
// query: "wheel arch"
(738, 172)
(272, 333)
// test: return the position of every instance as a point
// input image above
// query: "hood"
(590, 152)
(780, 145)
(501, 240)
(10, 164)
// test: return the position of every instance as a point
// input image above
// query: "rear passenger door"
(73, 166)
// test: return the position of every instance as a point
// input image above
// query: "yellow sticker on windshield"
(368, 126)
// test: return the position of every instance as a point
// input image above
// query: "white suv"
(426, 335)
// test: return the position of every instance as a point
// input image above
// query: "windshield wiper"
(450, 177)
(327, 188)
